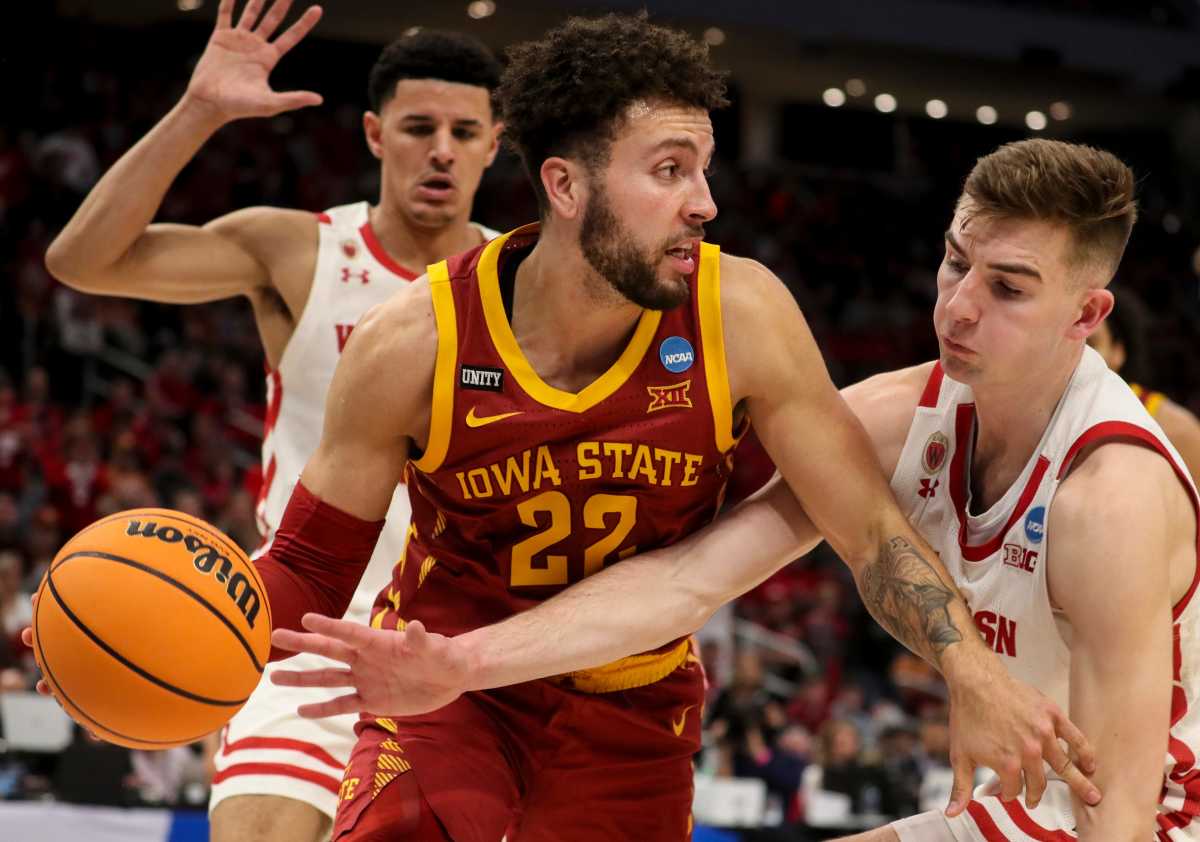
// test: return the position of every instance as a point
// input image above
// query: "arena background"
(852, 126)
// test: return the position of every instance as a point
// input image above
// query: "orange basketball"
(152, 628)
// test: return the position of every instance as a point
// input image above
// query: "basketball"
(151, 628)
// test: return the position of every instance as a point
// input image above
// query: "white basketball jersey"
(998, 560)
(353, 274)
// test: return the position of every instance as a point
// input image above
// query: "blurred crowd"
(108, 404)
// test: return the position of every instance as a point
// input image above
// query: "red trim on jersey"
(1125, 430)
(324, 219)
(933, 386)
(958, 489)
(1029, 827)
(282, 743)
(281, 770)
(983, 821)
(377, 250)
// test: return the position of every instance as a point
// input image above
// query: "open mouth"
(684, 257)
(436, 186)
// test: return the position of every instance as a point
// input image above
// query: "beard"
(611, 250)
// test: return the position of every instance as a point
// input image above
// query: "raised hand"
(393, 673)
(1011, 728)
(231, 78)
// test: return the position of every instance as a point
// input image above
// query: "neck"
(564, 314)
(1011, 419)
(415, 247)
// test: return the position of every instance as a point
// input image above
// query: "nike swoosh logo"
(474, 420)
(677, 724)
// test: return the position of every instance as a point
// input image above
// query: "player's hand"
(1011, 728)
(230, 80)
(27, 639)
(393, 673)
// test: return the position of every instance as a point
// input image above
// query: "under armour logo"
(928, 487)
(347, 274)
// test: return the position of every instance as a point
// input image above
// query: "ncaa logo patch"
(1035, 524)
(934, 455)
(676, 354)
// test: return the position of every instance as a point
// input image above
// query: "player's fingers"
(1010, 779)
(313, 678)
(316, 644)
(1035, 780)
(250, 15)
(415, 638)
(1074, 778)
(1082, 749)
(960, 794)
(42, 687)
(295, 33)
(353, 635)
(350, 703)
(27, 636)
(292, 100)
(225, 14)
(270, 22)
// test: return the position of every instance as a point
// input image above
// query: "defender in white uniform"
(309, 279)
(1066, 519)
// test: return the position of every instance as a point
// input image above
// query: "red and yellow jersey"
(1151, 400)
(524, 488)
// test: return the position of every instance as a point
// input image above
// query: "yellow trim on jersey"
(627, 673)
(712, 334)
(441, 412)
(1151, 400)
(514, 358)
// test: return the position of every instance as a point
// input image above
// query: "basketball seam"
(196, 523)
(45, 665)
(166, 685)
(176, 583)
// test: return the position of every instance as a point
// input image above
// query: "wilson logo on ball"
(206, 559)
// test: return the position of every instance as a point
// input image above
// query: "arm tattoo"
(908, 598)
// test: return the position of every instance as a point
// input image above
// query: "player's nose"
(963, 305)
(442, 149)
(701, 207)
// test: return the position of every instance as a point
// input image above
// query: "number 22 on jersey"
(616, 513)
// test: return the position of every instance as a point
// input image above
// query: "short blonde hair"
(1087, 189)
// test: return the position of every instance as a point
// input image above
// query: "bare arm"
(1183, 430)
(1116, 523)
(109, 245)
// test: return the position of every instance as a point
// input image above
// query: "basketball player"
(309, 279)
(1121, 340)
(1067, 518)
(557, 399)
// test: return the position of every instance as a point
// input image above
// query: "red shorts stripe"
(282, 770)
(1031, 828)
(983, 821)
(311, 749)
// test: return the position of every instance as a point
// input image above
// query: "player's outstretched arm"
(377, 403)
(1117, 522)
(1183, 431)
(639, 604)
(109, 245)
(826, 457)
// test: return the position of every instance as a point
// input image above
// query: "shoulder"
(885, 405)
(748, 288)
(1178, 422)
(1117, 486)
(283, 241)
(388, 363)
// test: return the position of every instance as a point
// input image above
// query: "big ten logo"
(1022, 558)
(999, 632)
(207, 559)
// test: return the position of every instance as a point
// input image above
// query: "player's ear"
(1096, 305)
(373, 131)
(565, 184)
(497, 131)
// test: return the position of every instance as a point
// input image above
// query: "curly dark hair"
(432, 54)
(563, 95)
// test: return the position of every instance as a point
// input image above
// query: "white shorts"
(267, 749)
(988, 819)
